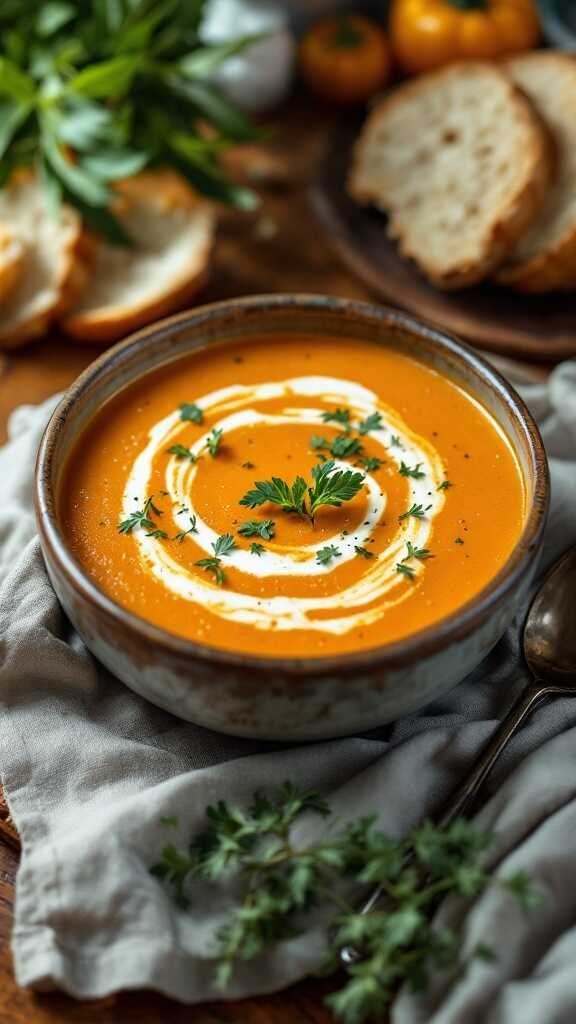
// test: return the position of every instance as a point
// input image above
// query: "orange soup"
(292, 496)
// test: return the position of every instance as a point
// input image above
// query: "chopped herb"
(444, 485)
(458, 540)
(417, 511)
(257, 549)
(278, 879)
(158, 534)
(363, 552)
(372, 422)
(343, 446)
(224, 545)
(317, 442)
(184, 533)
(370, 463)
(406, 570)
(421, 553)
(257, 528)
(331, 487)
(191, 412)
(325, 555)
(181, 452)
(214, 566)
(213, 441)
(395, 440)
(248, 465)
(341, 416)
(415, 473)
(140, 518)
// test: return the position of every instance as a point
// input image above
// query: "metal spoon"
(550, 653)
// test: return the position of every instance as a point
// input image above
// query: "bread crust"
(509, 222)
(165, 190)
(553, 268)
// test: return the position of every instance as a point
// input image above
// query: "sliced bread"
(11, 260)
(460, 162)
(46, 275)
(128, 287)
(545, 257)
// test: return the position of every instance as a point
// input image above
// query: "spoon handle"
(466, 792)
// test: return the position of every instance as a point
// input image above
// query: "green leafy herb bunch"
(95, 90)
(283, 880)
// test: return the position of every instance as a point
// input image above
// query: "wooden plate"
(498, 319)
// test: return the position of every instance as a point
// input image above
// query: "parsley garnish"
(279, 880)
(444, 485)
(341, 416)
(405, 570)
(224, 545)
(343, 446)
(257, 528)
(370, 463)
(140, 518)
(458, 540)
(181, 452)
(325, 555)
(395, 440)
(415, 473)
(317, 442)
(421, 553)
(331, 487)
(363, 552)
(184, 533)
(189, 411)
(417, 511)
(372, 422)
(213, 442)
(257, 549)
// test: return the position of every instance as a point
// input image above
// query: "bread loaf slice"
(11, 260)
(545, 257)
(460, 162)
(173, 231)
(46, 275)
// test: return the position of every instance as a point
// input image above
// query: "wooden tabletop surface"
(277, 249)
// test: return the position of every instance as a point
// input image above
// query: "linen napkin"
(89, 769)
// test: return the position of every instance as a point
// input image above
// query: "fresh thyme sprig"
(405, 570)
(140, 518)
(421, 553)
(222, 546)
(417, 511)
(182, 534)
(331, 487)
(281, 881)
(363, 552)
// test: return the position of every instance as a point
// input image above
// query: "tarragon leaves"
(331, 486)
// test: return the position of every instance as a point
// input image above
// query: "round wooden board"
(497, 319)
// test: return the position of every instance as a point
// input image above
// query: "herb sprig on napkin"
(94, 92)
(283, 880)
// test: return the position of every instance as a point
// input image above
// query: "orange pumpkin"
(425, 34)
(345, 59)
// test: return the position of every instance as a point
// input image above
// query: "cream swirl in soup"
(155, 504)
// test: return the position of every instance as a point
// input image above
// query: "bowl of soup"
(291, 517)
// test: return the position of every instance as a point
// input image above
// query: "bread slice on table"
(11, 260)
(44, 270)
(460, 162)
(173, 232)
(545, 257)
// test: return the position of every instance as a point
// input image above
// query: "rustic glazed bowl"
(288, 698)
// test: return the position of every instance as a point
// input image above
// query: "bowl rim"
(401, 653)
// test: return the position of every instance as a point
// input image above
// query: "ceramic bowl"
(288, 698)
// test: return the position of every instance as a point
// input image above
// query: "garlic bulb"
(258, 78)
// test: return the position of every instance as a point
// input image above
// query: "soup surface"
(166, 498)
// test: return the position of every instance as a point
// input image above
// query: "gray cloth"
(89, 768)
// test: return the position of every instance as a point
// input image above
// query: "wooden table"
(278, 249)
